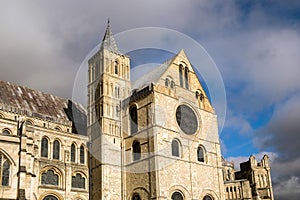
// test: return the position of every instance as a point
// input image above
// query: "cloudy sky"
(255, 44)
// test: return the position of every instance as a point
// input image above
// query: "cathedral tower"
(109, 83)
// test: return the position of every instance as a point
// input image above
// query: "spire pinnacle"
(108, 41)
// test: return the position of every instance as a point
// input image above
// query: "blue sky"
(255, 45)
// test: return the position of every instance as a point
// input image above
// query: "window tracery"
(78, 181)
(49, 178)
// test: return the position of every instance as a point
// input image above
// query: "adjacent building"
(43, 146)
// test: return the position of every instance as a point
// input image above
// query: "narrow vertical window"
(56, 150)
(5, 173)
(44, 148)
(133, 120)
(167, 82)
(175, 148)
(186, 77)
(180, 76)
(200, 154)
(116, 68)
(82, 156)
(73, 153)
(136, 150)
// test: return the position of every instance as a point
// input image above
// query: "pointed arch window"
(136, 150)
(44, 148)
(56, 149)
(78, 181)
(180, 75)
(167, 82)
(73, 153)
(133, 120)
(177, 196)
(175, 148)
(4, 170)
(82, 156)
(186, 78)
(200, 154)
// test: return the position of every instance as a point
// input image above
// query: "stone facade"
(157, 138)
(43, 146)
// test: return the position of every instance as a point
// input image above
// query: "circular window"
(186, 119)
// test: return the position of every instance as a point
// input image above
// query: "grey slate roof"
(35, 103)
(153, 76)
(108, 41)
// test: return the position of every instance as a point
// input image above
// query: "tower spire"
(108, 41)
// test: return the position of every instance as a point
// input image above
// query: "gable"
(172, 74)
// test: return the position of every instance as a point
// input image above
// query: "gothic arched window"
(4, 170)
(177, 196)
(133, 120)
(82, 156)
(44, 148)
(49, 178)
(78, 181)
(167, 82)
(73, 153)
(136, 150)
(200, 154)
(56, 149)
(136, 196)
(175, 148)
(186, 77)
(180, 75)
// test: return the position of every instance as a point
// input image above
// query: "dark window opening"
(78, 181)
(136, 150)
(200, 154)
(49, 178)
(177, 196)
(175, 148)
(73, 153)
(44, 148)
(136, 197)
(56, 150)
(82, 155)
(133, 120)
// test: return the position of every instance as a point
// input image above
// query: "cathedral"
(154, 138)
(138, 152)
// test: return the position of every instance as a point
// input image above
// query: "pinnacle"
(108, 41)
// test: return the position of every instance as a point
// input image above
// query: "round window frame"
(197, 118)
